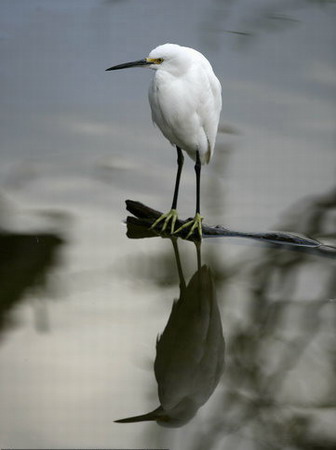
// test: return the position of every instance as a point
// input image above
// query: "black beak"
(140, 62)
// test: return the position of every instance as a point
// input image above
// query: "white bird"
(185, 99)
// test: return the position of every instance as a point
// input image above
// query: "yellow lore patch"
(154, 60)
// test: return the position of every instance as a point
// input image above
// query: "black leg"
(196, 222)
(180, 160)
(171, 216)
(198, 252)
(198, 181)
(178, 263)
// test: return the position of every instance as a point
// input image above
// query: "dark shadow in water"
(280, 360)
(190, 351)
(25, 260)
(221, 19)
(279, 385)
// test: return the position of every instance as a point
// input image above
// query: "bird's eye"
(159, 60)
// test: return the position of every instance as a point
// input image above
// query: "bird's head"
(168, 57)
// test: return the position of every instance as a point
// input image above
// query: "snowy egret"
(185, 99)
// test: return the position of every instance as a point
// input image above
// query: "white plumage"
(185, 99)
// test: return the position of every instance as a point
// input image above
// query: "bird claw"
(195, 223)
(170, 216)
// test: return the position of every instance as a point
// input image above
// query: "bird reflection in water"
(190, 351)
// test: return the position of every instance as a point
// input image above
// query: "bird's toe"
(171, 216)
(194, 224)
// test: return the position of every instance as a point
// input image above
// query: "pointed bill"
(140, 62)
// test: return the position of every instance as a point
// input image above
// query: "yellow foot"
(196, 223)
(170, 216)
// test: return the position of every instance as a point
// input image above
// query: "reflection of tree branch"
(277, 16)
(25, 260)
(264, 18)
(262, 357)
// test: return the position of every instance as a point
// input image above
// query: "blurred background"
(81, 304)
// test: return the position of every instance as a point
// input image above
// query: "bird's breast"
(175, 108)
